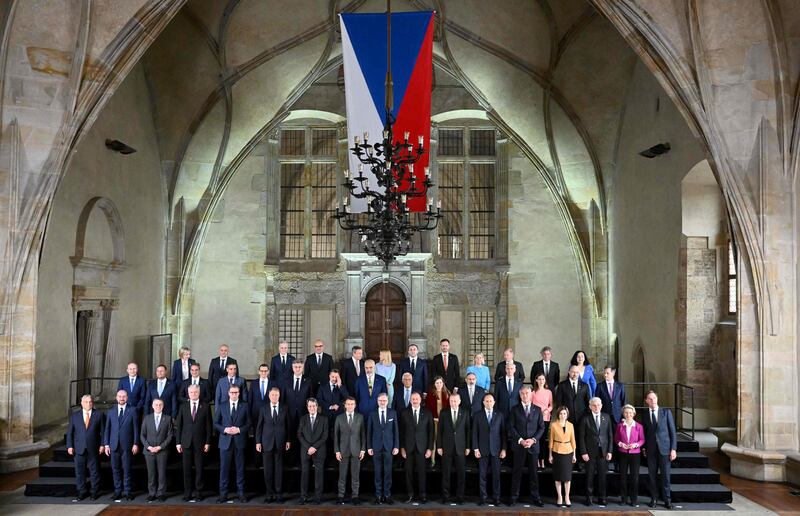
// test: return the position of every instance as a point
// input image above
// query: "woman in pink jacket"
(630, 439)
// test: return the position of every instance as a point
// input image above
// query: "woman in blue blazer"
(585, 371)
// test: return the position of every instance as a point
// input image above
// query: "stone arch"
(390, 279)
(109, 210)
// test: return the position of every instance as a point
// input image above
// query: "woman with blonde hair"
(629, 439)
(562, 454)
(482, 376)
(386, 368)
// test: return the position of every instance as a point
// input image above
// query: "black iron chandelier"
(387, 231)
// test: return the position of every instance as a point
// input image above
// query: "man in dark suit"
(661, 445)
(472, 395)
(181, 368)
(573, 394)
(383, 443)
(218, 367)
(508, 359)
(331, 395)
(121, 443)
(294, 394)
(84, 443)
(453, 440)
(352, 368)
(206, 395)
(402, 395)
(156, 435)
(445, 364)
(525, 430)
(416, 435)
(259, 391)
(134, 385)
(193, 440)
(506, 391)
(350, 446)
(595, 434)
(272, 440)
(162, 388)
(489, 446)
(231, 421)
(312, 432)
(224, 384)
(318, 365)
(612, 394)
(418, 367)
(547, 367)
(368, 387)
(281, 365)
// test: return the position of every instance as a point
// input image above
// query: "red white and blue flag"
(364, 54)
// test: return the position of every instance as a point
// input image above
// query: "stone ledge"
(762, 465)
(793, 468)
(22, 456)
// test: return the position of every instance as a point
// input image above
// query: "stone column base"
(22, 456)
(762, 465)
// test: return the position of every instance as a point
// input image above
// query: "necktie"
(383, 418)
(160, 387)
(350, 419)
(86, 420)
(194, 410)
(653, 417)
(407, 396)
(121, 412)
(319, 360)
(222, 363)
(471, 392)
(358, 368)
(132, 381)
(312, 422)
(230, 381)
(455, 416)
(597, 422)
(283, 361)
(370, 387)
(263, 389)
(489, 417)
(575, 388)
(509, 385)
(611, 390)
(444, 361)
(546, 369)
(297, 385)
(416, 417)
(274, 412)
(233, 411)
(527, 411)
(333, 386)
(194, 381)
(413, 365)
(158, 421)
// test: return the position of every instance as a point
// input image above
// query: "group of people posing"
(309, 412)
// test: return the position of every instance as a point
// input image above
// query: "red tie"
(444, 361)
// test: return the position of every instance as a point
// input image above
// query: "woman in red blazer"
(438, 397)
(629, 438)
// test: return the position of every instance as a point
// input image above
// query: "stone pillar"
(416, 333)
(353, 336)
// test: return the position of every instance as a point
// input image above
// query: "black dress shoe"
(445, 500)
(242, 498)
(538, 502)
(602, 502)
(187, 498)
(129, 497)
(424, 499)
(589, 502)
(116, 496)
(497, 501)
(94, 497)
(316, 501)
(222, 499)
(652, 502)
(162, 498)
(82, 496)
(410, 499)
(356, 500)
(668, 504)
(150, 498)
(278, 499)
(303, 501)
(376, 501)
(459, 501)
(512, 502)
(482, 501)
(388, 500)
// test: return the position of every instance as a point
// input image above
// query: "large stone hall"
(618, 177)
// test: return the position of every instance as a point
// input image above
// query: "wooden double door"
(385, 321)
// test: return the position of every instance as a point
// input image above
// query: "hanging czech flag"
(364, 55)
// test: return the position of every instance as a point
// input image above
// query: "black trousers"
(596, 466)
(484, 464)
(629, 476)
(306, 462)
(460, 462)
(273, 470)
(656, 461)
(192, 457)
(525, 459)
(415, 466)
(91, 460)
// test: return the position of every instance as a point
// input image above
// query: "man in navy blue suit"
(472, 396)
(506, 391)
(120, 441)
(402, 396)
(134, 385)
(182, 367)
(162, 388)
(218, 367)
(368, 387)
(281, 366)
(612, 394)
(224, 384)
(259, 391)
(525, 430)
(383, 443)
(489, 446)
(418, 368)
(84, 443)
(660, 447)
(231, 421)
(272, 440)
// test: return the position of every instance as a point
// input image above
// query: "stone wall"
(133, 184)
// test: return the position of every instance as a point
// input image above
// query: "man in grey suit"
(350, 445)
(156, 435)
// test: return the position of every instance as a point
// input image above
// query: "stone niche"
(406, 272)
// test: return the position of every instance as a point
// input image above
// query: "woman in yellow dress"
(562, 453)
